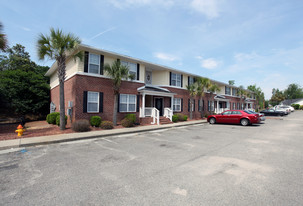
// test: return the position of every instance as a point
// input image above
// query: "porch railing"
(220, 110)
(147, 112)
(155, 114)
(168, 113)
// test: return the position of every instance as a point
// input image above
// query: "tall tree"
(231, 82)
(258, 94)
(117, 72)
(293, 91)
(277, 97)
(243, 94)
(202, 85)
(3, 40)
(192, 90)
(60, 47)
(23, 87)
(214, 88)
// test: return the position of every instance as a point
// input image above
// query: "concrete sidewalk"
(32, 141)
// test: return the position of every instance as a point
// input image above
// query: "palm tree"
(242, 93)
(3, 40)
(60, 47)
(202, 85)
(214, 88)
(192, 93)
(117, 72)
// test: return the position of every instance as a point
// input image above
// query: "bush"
(185, 118)
(58, 120)
(81, 126)
(107, 125)
(301, 107)
(131, 117)
(180, 117)
(95, 121)
(51, 118)
(296, 106)
(175, 118)
(127, 122)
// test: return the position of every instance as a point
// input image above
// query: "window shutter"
(118, 107)
(182, 105)
(138, 102)
(118, 60)
(138, 71)
(101, 64)
(169, 78)
(85, 102)
(199, 105)
(188, 80)
(202, 105)
(181, 80)
(194, 104)
(100, 102)
(188, 105)
(86, 54)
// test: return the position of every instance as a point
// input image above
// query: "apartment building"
(156, 90)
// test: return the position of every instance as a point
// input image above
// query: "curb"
(65, 138)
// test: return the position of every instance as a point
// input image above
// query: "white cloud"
(138, 3)
(209, 63)
(166, 57)
(210, 8)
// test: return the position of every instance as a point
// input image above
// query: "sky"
(252, 42)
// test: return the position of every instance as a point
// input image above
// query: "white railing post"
(155, 114)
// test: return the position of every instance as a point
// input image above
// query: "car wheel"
(212, 120)
(244, 122)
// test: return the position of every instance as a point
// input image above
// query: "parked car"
(287, 107)
(261, 115)
(234, 117)
(272, 112)
(285, 110)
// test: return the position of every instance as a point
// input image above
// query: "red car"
(234, 117)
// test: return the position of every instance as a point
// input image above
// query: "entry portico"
(222, 104)
(154, 97)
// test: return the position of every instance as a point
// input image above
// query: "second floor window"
(227, 90)
(190, 80)
(234, 91)
(94, 63)
(175, 79)
(131, 67)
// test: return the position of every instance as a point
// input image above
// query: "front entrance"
(159, 105)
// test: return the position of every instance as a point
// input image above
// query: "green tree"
(192, 90)
(293, 91)
(3, 40)
(117, 72)
(231, 82)
(243, 94)
(60, 47)
(202, 85)
(258, 94)
(23, 87)
(277, 97)
(214, 88)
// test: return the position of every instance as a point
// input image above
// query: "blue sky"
(252, 42)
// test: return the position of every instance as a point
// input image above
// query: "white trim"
(98, 101)
(89, 59)
(128, 103)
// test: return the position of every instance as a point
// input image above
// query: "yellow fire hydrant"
(20, 130)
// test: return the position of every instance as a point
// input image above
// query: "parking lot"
(192, 165)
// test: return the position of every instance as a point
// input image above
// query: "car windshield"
(248, 112)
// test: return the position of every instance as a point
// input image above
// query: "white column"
(217, 107)
(172, 103)
(143, 105)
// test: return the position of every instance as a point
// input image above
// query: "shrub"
(301, 107)
(107, 125)
(81, 126)
(180, 117)
(131, 117)
(51, 118)
(95, 121)
(296, 106)
(175, 118)
(58, 120)
(127, 122)
(185, 118)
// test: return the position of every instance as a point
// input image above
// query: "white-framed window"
(176, 79)
(93, 102)
(131, 67)
(127, 103)
(177, 105)
(234, 91)
(94, 63)
(190, 80)
(227, 90)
